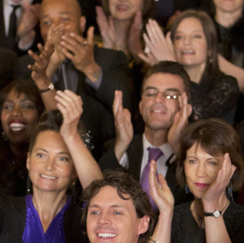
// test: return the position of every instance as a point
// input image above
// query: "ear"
(28, 161)
(82, 24)
(144, 225)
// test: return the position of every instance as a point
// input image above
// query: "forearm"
(162, 231)
(86, 167)
(26, 40)
(51, 68)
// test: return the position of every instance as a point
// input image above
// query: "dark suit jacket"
(7, 61)
(97, 104)
(135, 153)
(3, 37)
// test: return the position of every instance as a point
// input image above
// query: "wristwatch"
(50, 87)
(215, 214)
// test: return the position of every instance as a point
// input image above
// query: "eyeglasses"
(167, 94)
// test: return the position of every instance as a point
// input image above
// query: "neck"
(195, 73)
(156, 138)
(227, 19)
(48, 205)
(19, 154)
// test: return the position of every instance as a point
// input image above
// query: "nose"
(201, 171)
(160, 97)
(16, 111)
(50, 163)
(104, 219)
(187, 40)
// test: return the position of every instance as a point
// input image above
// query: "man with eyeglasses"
(165, 110)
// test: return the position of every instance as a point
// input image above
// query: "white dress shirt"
(161, 162)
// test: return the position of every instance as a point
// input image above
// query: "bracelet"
(151, 240)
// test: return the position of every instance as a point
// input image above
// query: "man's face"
(60, 12)
(112, 219)
(156, 108)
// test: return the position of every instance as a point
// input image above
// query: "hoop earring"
(230, 191)
(187, 190)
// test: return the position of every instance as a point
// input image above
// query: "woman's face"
(201, 170)
(228, 6)
(190, 44)
(124, 9)
(50, 164)
(19, 116)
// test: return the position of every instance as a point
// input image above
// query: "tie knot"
(15, 7)
(154, 153)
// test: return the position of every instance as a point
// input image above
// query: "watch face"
(216, 214)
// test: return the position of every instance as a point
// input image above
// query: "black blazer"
(135, 153)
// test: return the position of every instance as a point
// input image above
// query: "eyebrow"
(23, 100)
(169, 89)
(112, 206)
(44, 150)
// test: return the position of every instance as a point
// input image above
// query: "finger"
(34, 56)
(117, 101)
(90, 34)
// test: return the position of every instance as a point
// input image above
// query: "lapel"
(2, 27)
(135, 152)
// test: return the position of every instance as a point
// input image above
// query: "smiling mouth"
(106, 235)
(121, 7)
(48, 177)
(201, 185)
(16, 127)
(188, 52)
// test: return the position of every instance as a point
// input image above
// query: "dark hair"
(171, 68)
(50, 121)
(212, 65)
(26, 87)
(147, 9)
(124, 184)
(216, 137)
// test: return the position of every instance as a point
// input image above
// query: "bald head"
(61, 12)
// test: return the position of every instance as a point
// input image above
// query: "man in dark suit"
(165, 111)
(93, 73)
(25, 17)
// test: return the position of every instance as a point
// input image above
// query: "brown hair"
(147, 9)
(212, 65)
(171, 68)
(216, 137)
(124, 184)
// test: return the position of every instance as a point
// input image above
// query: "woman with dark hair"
(57, 155)
(210, 166)
(20, 106)
(120, 25)
(214, 94)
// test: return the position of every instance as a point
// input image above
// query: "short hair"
(216, 137)
(209, 30)
(171, 68)
(50, 121)
(124, 184)
(26, 87)
(147, 9)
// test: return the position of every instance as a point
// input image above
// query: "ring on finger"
(84, 43)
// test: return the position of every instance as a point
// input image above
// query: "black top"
(185, 229)
(214, 97)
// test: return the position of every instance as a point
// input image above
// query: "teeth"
(106, 235)
(49, 177)
(157, 111)
(122, 7)
(17, 126)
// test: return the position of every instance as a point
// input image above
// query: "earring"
(230, 191)
(28, 185)
(187, 190)
(4, 136)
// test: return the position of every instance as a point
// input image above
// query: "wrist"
(92, 71)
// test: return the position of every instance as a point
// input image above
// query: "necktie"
(154, 154)
(12, 27)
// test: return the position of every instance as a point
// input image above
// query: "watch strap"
(215, 214)
(50, 87)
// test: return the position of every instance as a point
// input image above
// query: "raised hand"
(106, 27)
(80, 52)
(134, 40)
(180, 122)
(38, 73)
(123, 125)
(70, 105)
(160, 47)
(214, 195)
(159, 191)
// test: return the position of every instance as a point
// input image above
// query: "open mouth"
(48, 177)
(188, 52)
(122, 7)
(106, 235)
(16, 127)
